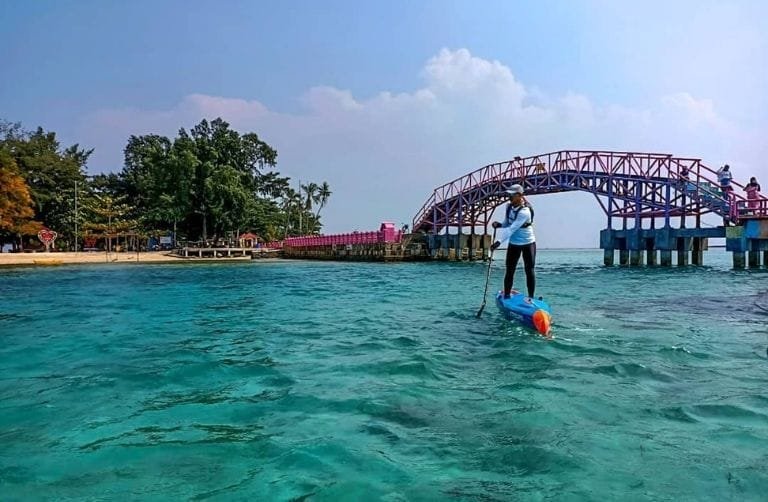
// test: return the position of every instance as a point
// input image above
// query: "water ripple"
(334, 381)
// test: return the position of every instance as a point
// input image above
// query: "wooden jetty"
(227, 253)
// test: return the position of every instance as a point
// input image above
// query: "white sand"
(99, 257)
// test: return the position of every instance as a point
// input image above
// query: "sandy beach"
(50, 259)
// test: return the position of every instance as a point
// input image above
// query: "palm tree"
(310, 194)
(291, 200)
(323, 193)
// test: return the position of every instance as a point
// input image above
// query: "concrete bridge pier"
(697, 253)
(623, 256)
(458, 247)
(737, 243)
(454, 251)
(754, 259)
(688, 243)
(746, 242)
(683, 244)
(471, 244)
(650, 252)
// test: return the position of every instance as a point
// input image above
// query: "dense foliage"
(206, 183)
(16, 211)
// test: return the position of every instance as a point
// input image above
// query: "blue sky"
(386, 100)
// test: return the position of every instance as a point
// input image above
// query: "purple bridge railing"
(386, 234)
(627, 185)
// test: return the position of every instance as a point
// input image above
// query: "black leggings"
(529, 261)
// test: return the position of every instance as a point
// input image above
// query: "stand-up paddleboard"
(532, 312)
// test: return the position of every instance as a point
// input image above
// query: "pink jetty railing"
(386, 234)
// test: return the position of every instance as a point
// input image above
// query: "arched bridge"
(628, 185)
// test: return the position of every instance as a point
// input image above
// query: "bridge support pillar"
(697, 255)
(754, 259)
(433, 245)
(689, 243)
(649, 245)
(623, 256)
(650, 256)
(739, 259)
(457, 247)
(608, 257)
(683, 245)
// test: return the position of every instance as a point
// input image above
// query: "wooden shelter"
(248, 240)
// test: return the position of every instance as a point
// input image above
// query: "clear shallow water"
(333, 381)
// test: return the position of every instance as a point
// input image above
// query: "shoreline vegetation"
(208, 183)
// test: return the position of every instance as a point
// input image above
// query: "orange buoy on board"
(542, 321)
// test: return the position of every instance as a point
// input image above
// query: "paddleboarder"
(518, 223)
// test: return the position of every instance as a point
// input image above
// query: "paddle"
(488, 275)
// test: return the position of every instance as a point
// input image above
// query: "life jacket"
(510, 210)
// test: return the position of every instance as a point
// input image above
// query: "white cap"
(514, 189)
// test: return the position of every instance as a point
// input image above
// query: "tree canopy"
(48, 172)
(16, 212)
(207, 182)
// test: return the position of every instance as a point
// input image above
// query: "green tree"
(49, 171)
(310, 197)
(146, 157)
(323, 194)
(109, 216)
(211, 181)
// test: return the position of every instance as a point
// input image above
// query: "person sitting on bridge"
(724, 177)
(518, 222)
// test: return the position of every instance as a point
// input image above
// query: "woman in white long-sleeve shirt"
(518, 223)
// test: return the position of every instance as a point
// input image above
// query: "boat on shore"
(48, 262)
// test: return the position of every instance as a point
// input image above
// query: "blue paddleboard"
(532, 312)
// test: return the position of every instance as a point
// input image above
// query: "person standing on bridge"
(724, 176)
(518, 223)
(753, 190)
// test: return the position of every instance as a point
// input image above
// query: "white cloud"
(383, 155)
(212, 105)
(458, 74)
(322, 100)
(695, 109)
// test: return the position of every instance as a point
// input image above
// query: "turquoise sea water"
(339, 381)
